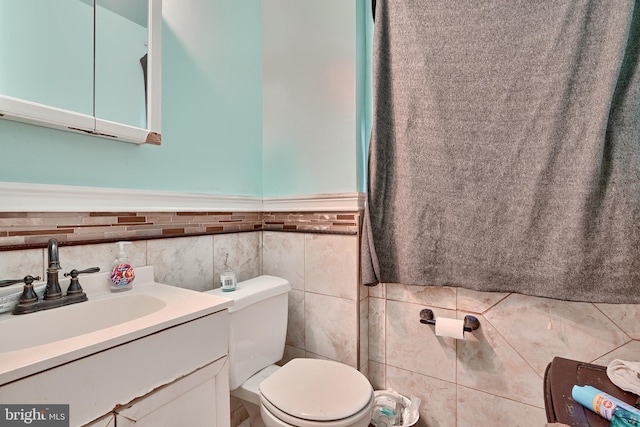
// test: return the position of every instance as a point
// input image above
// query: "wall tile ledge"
(26, 197)
(315, 203)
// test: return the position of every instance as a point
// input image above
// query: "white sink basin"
(34, 342)
(44, 327)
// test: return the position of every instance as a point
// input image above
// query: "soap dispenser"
(122, 273)
(228, 280)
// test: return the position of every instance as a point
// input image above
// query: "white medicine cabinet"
(88, 66)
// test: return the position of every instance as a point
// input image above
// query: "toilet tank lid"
(253, 290)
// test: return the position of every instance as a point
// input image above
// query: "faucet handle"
(74, 285)
(74, 273)
(29, 296)
(27, 280)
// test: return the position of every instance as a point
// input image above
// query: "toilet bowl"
(307, 393)
(315, 393)
(303, 392)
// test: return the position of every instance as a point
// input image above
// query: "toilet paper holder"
(471, 323)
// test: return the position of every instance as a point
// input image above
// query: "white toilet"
(303, 392)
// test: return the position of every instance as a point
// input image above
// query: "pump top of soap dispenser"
(121, 252)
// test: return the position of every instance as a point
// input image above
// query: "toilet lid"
(317, 390)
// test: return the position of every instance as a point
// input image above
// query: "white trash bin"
(390, 408)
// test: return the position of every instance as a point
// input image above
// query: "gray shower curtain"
(505, 151)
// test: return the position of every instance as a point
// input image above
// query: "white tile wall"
(499, 368)
(493, 377)
(186, 262)
(324, 305)
(330, 265)
(17, 264)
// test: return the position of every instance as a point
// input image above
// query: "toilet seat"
(316, 392)
(272, 416)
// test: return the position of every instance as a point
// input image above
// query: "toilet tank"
(257, 325)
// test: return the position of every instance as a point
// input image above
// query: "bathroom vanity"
(155, 355)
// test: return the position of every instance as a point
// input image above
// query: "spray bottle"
(600, 402)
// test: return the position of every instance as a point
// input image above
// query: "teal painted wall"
(211, 123)
(314, 96)
(364, 34)
(214, 138)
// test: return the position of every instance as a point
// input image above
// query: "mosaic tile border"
(21, 230)
(332, 222)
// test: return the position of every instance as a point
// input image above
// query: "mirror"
(90, 66)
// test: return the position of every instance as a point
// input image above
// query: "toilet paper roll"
(453, 328)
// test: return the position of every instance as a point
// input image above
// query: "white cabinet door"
(198, 399)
